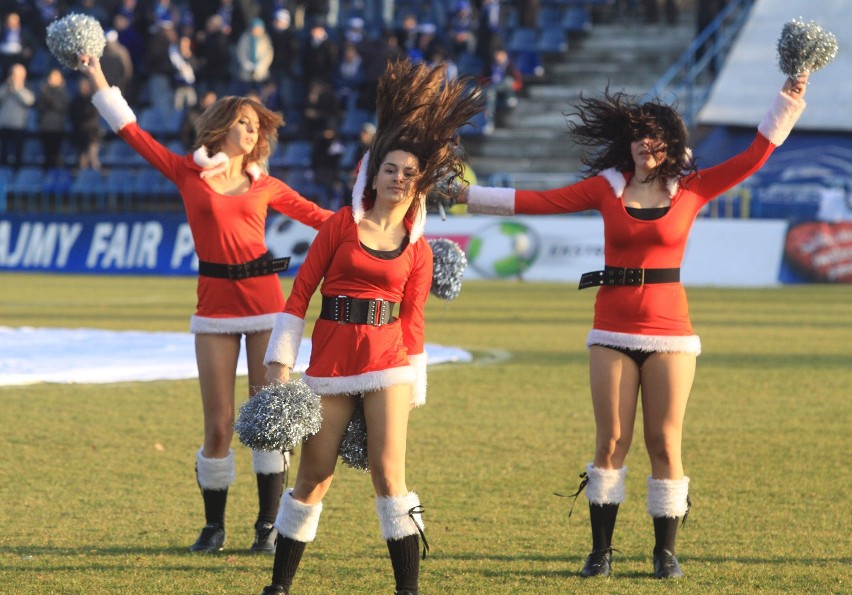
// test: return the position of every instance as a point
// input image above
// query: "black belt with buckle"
(624, 276)
(265, 265)
(344, 309)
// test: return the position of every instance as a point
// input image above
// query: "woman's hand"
(276, 372)
(91, 67)
(796, 87)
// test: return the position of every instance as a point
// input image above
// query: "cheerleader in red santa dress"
(374, 271)
(226, 196)
(648, 190)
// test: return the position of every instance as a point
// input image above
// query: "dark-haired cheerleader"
(368, 344)
(648, 190)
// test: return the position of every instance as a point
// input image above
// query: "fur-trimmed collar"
(212, 166)
(415, 228)
(618, 182)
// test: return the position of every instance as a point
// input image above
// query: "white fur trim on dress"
(654, 343)
(359, 187)
(297, 520)
(231, 326)
(212, 166)
(266, 462)
(113, 107)
(618, 183)
(360, 383)
(667, 497)
(214, 474)
(284, 342)
(606, 486)
(418, 388)
(781, 117)
(394, 519)
(490, 200)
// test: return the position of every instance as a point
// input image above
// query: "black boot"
(405, 559)
(665, 561)
(212, 536)
(602, 517)
(288, 554)
(269, 488)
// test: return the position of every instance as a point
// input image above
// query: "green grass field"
(98, 490)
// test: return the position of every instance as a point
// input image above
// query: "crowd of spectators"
(315, 61)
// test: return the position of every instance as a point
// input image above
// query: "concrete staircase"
(626, 55)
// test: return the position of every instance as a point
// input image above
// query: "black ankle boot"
(666, 565)
(598, 563)
(211, 539)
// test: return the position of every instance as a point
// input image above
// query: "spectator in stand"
(127, 9)
(16, 45)
(488, 36)
(355, 31)
(326, 153)
(213, 50)
(501, 92)
(131, 39)
(254, 57)
(320, 56)
(379, 16)
(317, 11)
(16, 100)
(406, 34)
(376, 54)
(117, 64)
(427, 41)
(350, 78)
(462, 37)
(322, 110)
(161, 72)
(439, 56)
(286, 56)
(188, 130)
(527, 12)
(52, 108)
(185, 64)
(93, 9)
(707, 11)
(86, 131)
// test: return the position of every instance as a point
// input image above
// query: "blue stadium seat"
(57, 180)
(477, 127)
(87, 189)
(353, 121)
(28, 181)
(118, 153)
(522, 39)
(296, 154)
(577, 21)
(548, 16)
(552, 41)
(33, 153)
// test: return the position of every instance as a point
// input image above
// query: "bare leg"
(615, 387)
(386, 413)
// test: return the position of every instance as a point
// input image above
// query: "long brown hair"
(610, 124)
(420, 111)
(213, 125)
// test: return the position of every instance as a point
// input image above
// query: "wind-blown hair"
(213, 125)
(420, 111)
(610, 124)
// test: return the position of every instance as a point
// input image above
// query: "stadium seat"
(522, 39)
(552, 41)
(478, 126)
(33, 153)
(353, 121)
(87, 190)
(296, 154)
(577, 21)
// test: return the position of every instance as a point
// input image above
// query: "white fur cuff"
(491, 201)
(214, 474)
(781, 117)
(297, 520)
(667, 497)
(113, 107)
(212, 165)
(606, 486)
(394, 518)
(653, 343)
(267, 462)
(418, 387)
(285, 340)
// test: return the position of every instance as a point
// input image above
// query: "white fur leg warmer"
(214, 474)
(667, 497)
(399, 516)
(297, 520)
(267, 462)
(606, 486)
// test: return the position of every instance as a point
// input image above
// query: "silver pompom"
(279, 417)
(804, 48)
(449, 263)
(73, 35)
(353, 448)
(443, 195)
